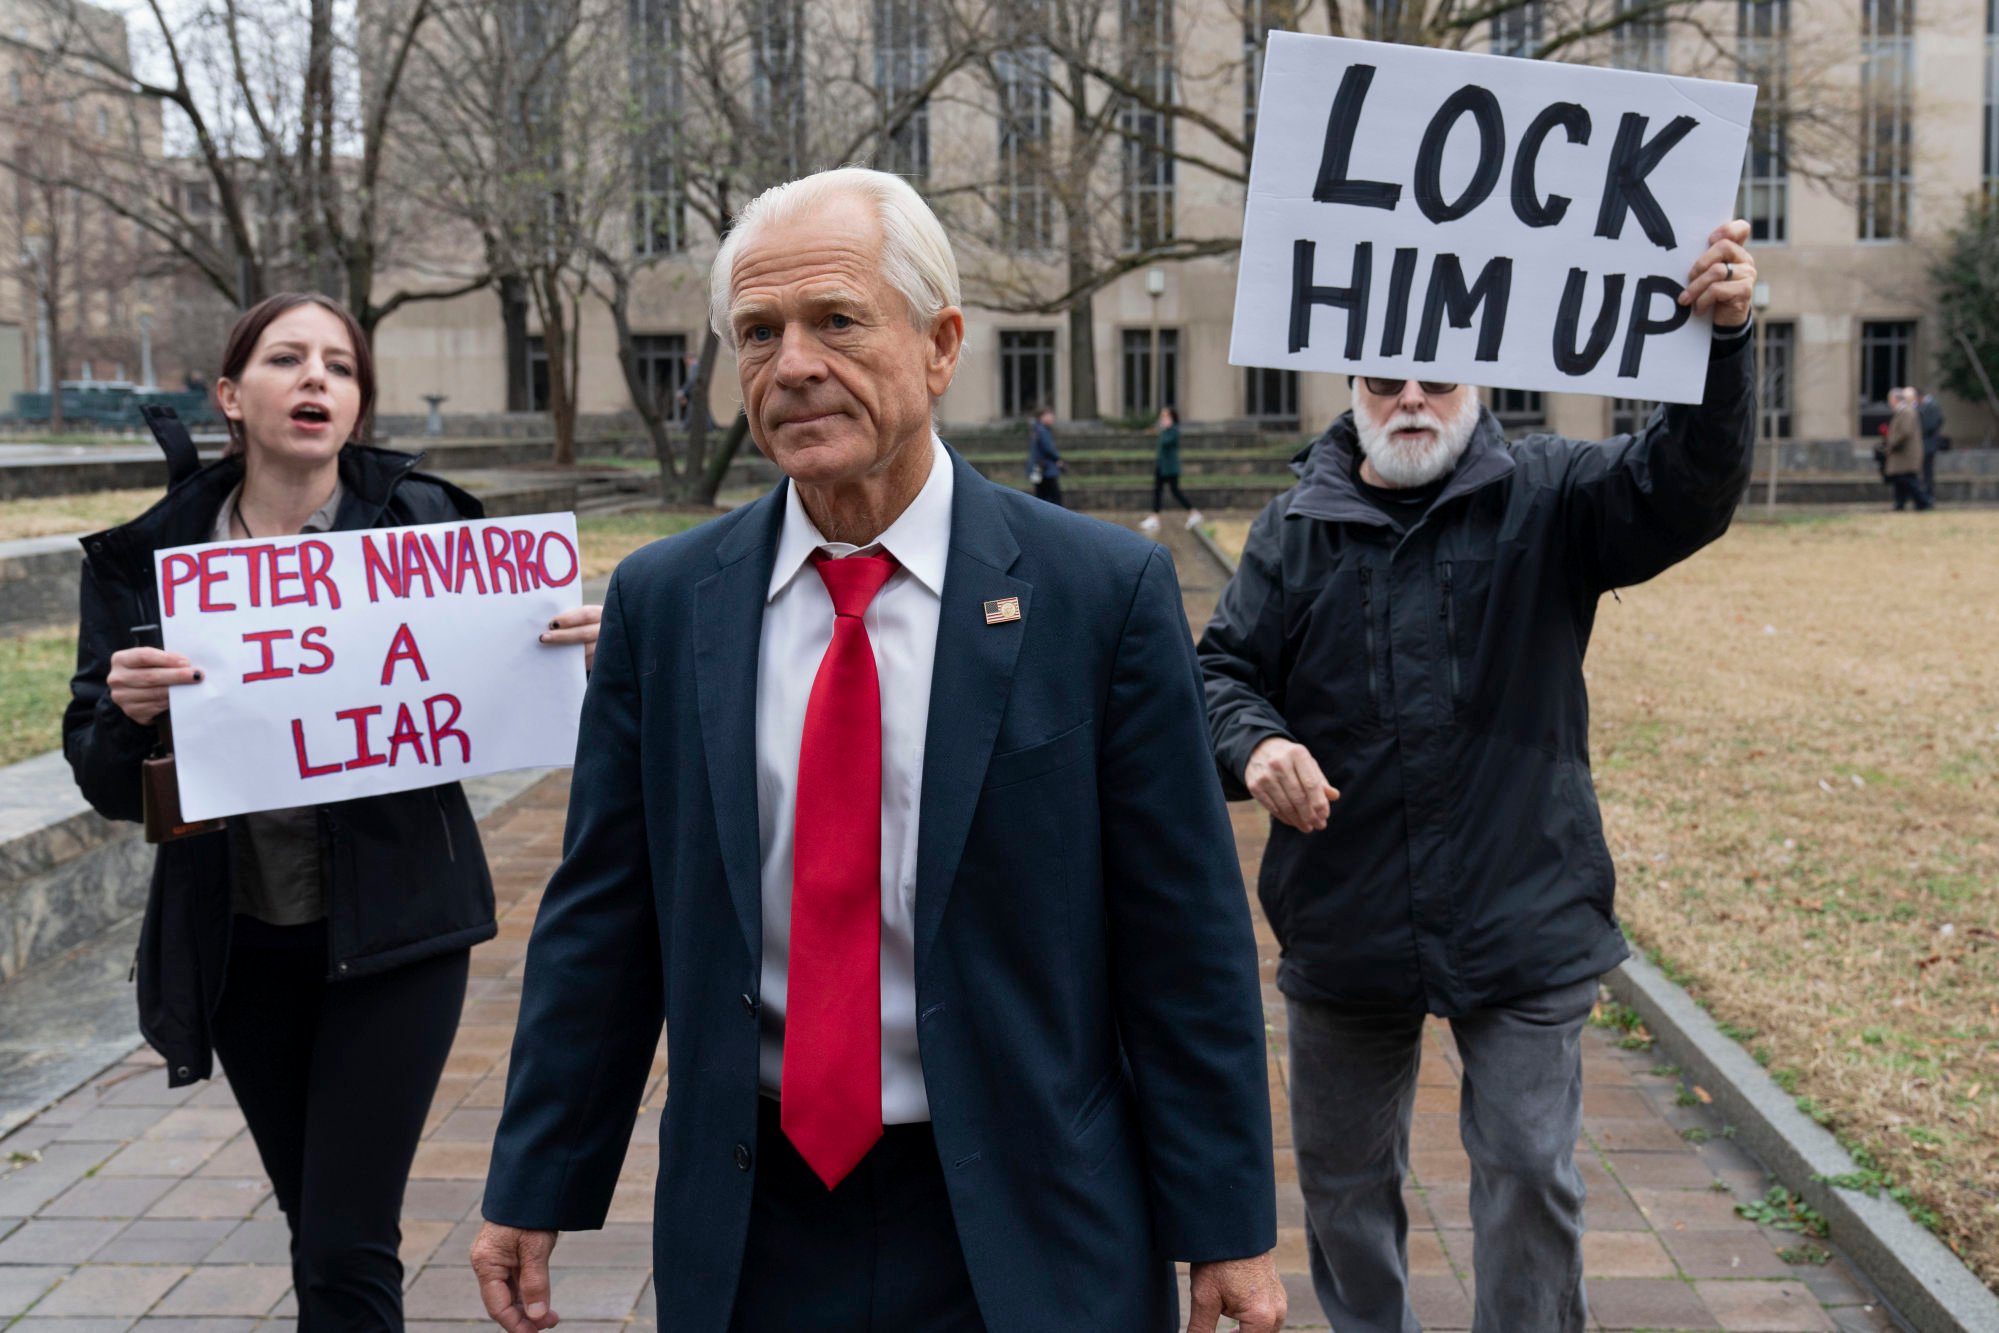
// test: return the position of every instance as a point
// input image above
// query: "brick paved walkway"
(131, 1206)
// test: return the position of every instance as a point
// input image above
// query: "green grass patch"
(34, 688)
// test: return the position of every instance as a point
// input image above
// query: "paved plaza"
(132, 1206)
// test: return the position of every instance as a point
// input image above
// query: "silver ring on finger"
(1727, 271)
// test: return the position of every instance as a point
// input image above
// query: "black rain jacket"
(405, 873)
(1437, 676)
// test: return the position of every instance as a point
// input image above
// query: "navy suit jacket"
(1089, 1011)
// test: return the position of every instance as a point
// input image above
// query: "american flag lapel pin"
(1002, 610)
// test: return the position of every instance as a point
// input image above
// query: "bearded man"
(1407, 626)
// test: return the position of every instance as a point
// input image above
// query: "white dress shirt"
(902, 627)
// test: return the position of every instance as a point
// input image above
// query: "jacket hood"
(1326, 466)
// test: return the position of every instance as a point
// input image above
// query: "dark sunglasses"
(1393, 388)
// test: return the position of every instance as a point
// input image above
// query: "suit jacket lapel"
(728, 628)
(969, 687)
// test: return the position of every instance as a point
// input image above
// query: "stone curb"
(1209, 545)
(1924, 1282)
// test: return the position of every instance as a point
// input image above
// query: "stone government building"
(1895, 102)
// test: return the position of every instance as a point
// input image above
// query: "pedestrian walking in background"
(1902, 463)
(1166, 472)
(1407, 625)
(1930, 415)
(1044, 463)
(320, 952)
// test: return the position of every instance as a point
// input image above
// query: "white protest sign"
(345, 664)
(1481, 219)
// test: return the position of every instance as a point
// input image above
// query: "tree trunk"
(672, 476)
(694, 485)
(513, 293)
(725, 454)
(555, 342)
(55, 366)
(1083, 360)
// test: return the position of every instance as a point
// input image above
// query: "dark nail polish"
(197, 677)
(553, 625)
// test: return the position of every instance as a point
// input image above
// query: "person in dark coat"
(893, 804)
(1396, 673)
(1044, 461)
(320, 952)
(1166, 472)
(1930, 415)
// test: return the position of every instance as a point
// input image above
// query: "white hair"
(915, 257)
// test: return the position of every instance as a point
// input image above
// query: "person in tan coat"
(1904, 465)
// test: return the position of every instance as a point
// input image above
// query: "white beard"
(1418, 462)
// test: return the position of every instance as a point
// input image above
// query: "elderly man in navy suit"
(893, 799)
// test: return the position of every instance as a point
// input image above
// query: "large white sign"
(1481, 219)
(349, 664)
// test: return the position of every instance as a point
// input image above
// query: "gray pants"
(1353, 1091)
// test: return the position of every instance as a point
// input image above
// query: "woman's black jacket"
(405, 874)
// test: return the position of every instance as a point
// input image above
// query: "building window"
(1763, 44)
(1992, 99)
(777, 82)
(1145, 126)
(1382, 20)
(1773, 389)
(1887, 77)
(537, 374)
(1628, 416)
(1137, 359)
(902, 63)
(659, 205)
(1517, 32)
(1639, 39)
(662, 366)
(1027, 371)
(1520, 409)
(1025, 204)
(1886, 348)
(1270, 398)
(1260, 18)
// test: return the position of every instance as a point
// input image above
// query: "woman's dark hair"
(250, 328)
(1172, 416)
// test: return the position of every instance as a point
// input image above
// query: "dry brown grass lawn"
(1797, 746)
(53, 515)
(1796, 742)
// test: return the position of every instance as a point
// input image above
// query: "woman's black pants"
(335, 1080)
(1160, 481)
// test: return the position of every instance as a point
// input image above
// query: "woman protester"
(1166, 472)
(321, 952)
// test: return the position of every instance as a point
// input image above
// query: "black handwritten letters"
(1620, 305)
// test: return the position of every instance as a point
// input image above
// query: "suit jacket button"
(742, 1157)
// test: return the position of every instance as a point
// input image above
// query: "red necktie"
(831, 1093)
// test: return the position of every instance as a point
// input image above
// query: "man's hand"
(1722, 281)
(1287, 781)
(512, 1268)
(1245, 1289)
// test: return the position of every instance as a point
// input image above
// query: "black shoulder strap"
(167, 427)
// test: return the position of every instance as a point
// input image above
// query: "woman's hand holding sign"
(1722, 281)
(139, 679)
(578, 626)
